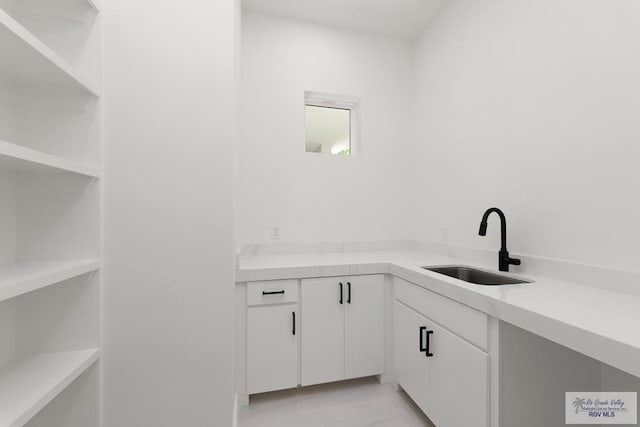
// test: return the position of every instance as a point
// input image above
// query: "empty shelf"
(32, 62)
(22, 159)
(20, 278)
(27, 385)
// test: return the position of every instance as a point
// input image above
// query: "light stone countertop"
(600, 323)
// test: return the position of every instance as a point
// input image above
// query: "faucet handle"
(505, 260)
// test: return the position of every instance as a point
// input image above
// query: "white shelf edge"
(95, 4)
(21, 278)
(26, 159)
(58, 371)
(34, 43)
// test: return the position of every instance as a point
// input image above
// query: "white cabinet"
(364, 326)
(272, 348)
(273, 330)
(468, 323)
(409, 359)
(444, 374)
(342, 328)
(313, 331)
(457, 381)
(322, 330)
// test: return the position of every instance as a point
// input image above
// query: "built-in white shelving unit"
(50, 213)
(20, 159)
(28, 385)
(32, 62)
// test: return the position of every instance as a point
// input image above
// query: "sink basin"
(472, 275)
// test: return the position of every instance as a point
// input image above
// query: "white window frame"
(344, 102)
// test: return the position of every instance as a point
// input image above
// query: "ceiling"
(399, 18)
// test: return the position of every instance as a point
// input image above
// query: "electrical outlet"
(275, 232)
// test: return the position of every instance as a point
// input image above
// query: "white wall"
(532, 106)
(168, 288)
(8, 218)
(315, 197)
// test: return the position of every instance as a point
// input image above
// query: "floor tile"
(355, 403)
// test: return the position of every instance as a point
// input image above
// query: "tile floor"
(356, 403)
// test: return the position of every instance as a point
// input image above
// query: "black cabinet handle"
(427, 351)
(293, 330)
(349, 292)
(272, 293)
(422, 348)
(341, 297)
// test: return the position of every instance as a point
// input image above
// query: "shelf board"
(27, 385)
(21, 159)
(20, 278)
(32, 62)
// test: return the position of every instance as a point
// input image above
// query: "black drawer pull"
(341, 296)
(427, 351)
(349, 292)
(422, 348)
(293, 331)
(272, 293)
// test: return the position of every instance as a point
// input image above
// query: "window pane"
(328, 130)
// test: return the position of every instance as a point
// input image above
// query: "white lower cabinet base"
(364, 327)
(483, 372)
(447, 377)
(339, 332)
(272, 348)
(322, 355)
(458, 382)
(440, 350)
(342, 328)
(409, 362)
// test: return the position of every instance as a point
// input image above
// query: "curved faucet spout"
(503, 256)
(503, 226)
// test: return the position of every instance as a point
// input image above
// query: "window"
(330, 124)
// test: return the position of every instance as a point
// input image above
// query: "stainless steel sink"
(472, 275)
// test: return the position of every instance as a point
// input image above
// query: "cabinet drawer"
(272, 292)
(465, 321)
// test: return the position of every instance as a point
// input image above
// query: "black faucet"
(503, 256)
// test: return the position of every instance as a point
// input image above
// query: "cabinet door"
(272, 348)
(364, 326)
(322, 330)
(410, 363)
(457, 386)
